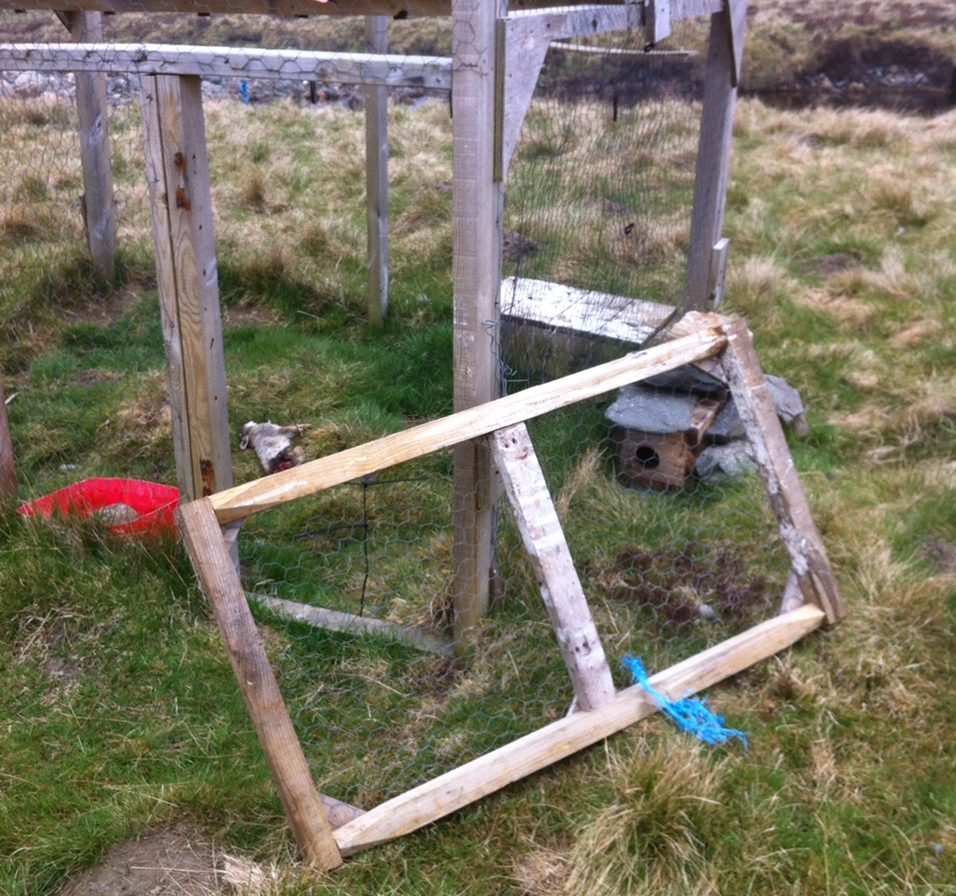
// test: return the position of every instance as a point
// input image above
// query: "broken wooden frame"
(720, 346)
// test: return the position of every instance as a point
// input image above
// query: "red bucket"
(154, 504)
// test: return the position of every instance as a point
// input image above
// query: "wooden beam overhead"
(433, 73)
(396, 9)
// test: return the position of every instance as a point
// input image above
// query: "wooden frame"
(429, 72)
(497, 54)
(811, 597)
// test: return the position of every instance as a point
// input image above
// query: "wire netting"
(598, 204)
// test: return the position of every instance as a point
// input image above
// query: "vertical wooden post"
(92, 108)
(478, 202)
(307, 815)
(8, 470)
(376, 176)
(713, 156)
(177, 169)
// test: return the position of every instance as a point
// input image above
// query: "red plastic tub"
(154, 503)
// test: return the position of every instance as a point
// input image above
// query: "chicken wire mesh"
(598, 200)
(288, 182)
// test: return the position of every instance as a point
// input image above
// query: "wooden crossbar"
(430, 72)
(533, 752)
(704, 341)
(396, 9)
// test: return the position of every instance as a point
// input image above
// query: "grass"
(120, 713)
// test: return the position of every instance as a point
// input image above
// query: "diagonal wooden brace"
(560, 587)
(307, 815)
(741, 370)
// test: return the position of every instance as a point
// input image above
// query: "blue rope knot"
(689, 714)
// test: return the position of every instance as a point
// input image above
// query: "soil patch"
(174, 861)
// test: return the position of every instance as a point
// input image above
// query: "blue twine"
(244, 91)
(689, 714)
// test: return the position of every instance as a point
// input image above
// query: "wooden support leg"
(177, 170)
(751, 395)
(93, 113)
(308, 816)
(376, 177)
(544, 540)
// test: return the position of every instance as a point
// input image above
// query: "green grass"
(119, 710)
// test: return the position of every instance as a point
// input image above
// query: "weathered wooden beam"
(376, 178)
(713, 163)
(177, 172)
(584, 311)
(335, 621)
(217, 574)
(433, 73)
(478, 203)
(472, 423)
(396, 9)
(561, 589)
(8, 468)
(92, 108)
(754, 403)
(493, 771)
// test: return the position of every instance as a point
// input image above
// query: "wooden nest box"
(659, 429)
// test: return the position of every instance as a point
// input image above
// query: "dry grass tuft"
(652, 838)
(542, 872)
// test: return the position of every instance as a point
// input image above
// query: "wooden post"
(560, 587)
(376, 177)
(99, 213)
(754, 403)
(478, 204)
(8, 470)
(713, 155)
(304, 808)
(177, 169)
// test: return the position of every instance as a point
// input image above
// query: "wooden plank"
(334, 621)
(376, 177)
(181, 203)
(713, 164)
(590, 312)
(751, 395)
(558, 740)
(478, 203)
(92, 109)
(567, 22)
(396, 9)
(473, 423)
(560, 587)
(8, 469)
(431, 72)
(290, 771)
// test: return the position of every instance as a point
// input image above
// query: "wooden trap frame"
(326, 829)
